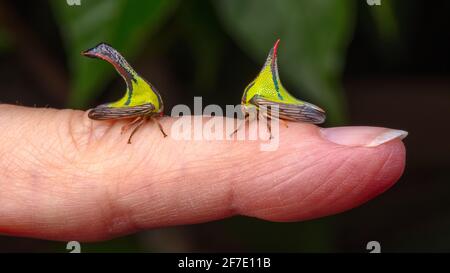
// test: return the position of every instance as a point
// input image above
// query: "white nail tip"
(386, 137)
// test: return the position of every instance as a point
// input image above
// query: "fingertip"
(393, 160)
(327, 179)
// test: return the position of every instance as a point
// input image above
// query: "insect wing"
(304, 112)
(103, 112)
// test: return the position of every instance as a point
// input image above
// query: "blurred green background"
(385, 65)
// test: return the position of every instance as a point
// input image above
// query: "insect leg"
(128, 125)
(270, 128)
(160, 126)
(139, 124)
(240, 125)
(265, 114)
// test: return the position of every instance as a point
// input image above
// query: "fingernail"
(362, 135)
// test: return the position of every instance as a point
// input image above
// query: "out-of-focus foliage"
(200, 27)
(123, 24)
(314, 36)
(386, 22)
(4, 40)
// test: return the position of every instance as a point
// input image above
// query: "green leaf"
(314, 36)
(123, 24)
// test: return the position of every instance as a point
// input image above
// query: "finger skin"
(66, 177)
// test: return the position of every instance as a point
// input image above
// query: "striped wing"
(304, 112)
(103, 112)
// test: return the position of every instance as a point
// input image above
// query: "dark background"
(384, 65)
